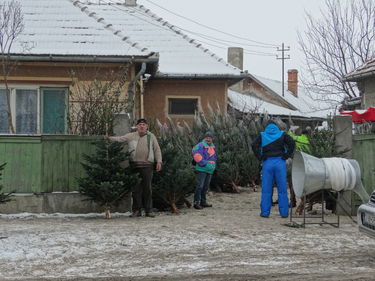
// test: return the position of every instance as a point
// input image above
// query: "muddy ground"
(227, 242)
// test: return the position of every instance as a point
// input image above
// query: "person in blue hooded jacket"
(273, 146)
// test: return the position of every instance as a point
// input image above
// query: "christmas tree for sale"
(107, 182)
(176, 180)
(323, 144)
(3, 197)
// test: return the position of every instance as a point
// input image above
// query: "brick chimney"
(130, 2)
(293, 81)
(235, 57)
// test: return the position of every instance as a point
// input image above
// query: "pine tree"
(3, 197)
(323, 144)
(106, 181)
(176, 180)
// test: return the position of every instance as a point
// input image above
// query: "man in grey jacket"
(145, 151)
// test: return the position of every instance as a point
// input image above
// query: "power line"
(245, 50)
(211, 28)
(207, 37)
(210, 38)
(223, 40)
(225, 44)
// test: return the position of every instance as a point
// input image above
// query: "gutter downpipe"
(131, 92)
(141, 93)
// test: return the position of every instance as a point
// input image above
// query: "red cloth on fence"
(360, 116)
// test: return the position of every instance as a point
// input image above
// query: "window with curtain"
(4, 128)
(30, 117)
(26, 111)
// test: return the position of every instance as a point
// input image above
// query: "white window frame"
(198, 98)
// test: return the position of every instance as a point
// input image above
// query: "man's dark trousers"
(142, 193)
(203, 183)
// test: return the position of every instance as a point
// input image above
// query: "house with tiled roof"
(68, 43)
(364, 76)
(170, 73)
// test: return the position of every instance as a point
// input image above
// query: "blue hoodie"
(273, 142)
(271, 133)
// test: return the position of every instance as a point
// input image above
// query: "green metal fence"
(51, 163)
(43, 163)
(364, 153)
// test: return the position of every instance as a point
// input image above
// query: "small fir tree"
(3, 197)
(250, 127)
(323, 144)
(176, 180)
(107, 182)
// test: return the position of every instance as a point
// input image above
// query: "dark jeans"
(142, 193)
(203, 183)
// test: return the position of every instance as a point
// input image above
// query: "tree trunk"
(10, 121)
(254, 186)
(187, 203)
(235, 187)
(107, 212)
(173, 207)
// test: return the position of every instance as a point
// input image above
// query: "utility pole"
(282, 58)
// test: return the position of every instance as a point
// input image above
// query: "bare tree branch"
(11, 26)
(93, 104)
(340, 41)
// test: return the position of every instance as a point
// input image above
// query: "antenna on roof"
(282, 58)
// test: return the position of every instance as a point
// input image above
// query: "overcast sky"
(270, 22)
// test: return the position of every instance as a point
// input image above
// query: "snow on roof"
(179, 54)
(367, 69)
(304, 103)
(246, 103)
(58, 27)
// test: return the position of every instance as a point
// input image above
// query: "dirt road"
(227, 242)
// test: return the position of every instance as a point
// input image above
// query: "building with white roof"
(170, 73)
(260, 95)
(61, 28)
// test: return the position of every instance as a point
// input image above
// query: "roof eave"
(238, 77)
(357, 77)
(152, 58)
(295, 117)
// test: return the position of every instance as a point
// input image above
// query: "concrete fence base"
(64, 202)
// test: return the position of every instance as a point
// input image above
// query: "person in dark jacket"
(273, 147)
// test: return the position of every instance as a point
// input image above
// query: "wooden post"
(342, 127)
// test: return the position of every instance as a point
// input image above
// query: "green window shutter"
(54, 110)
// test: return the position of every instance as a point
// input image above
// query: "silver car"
(366, 216)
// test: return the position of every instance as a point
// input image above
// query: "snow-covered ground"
(227, 242)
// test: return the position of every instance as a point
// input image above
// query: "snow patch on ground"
(229, 238)
(59, 215)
